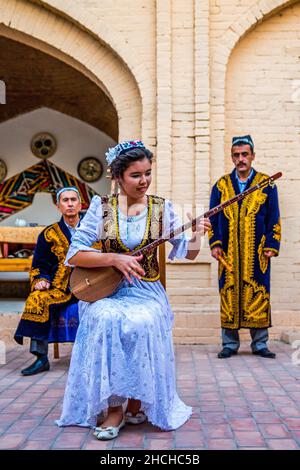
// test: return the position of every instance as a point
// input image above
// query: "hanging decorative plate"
(3, 170)
(43, 145)
(90, 169)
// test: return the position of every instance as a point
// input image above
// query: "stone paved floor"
(245, 402)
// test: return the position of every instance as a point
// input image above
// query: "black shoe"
(40, 365)
(226, 352)
(265, 352)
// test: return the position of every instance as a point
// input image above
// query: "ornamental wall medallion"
(90, 169)
(43, 145)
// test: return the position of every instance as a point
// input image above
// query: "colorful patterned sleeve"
(273, 224)
(214, 235)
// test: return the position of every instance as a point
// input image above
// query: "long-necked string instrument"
(91, 284)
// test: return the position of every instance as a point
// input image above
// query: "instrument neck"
(215, 210)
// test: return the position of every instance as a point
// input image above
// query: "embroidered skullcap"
(244, 139)
(67, 188)
(121, 148)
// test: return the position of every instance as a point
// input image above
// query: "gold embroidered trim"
(217, 242)
(263, 260)
(113, 242)
(242, 293)
(249, 208)
(60, 248)
(33, 273)
(210, 234)
(230, 291)
(277, 231)
(97, 245)
(38, 302)
(146, 233)
(255, 299)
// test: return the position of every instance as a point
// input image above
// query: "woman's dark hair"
(123, 161)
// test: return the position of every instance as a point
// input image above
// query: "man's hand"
(269, 253)
(42, 285)
(216, 252)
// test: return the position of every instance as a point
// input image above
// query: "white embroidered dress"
(124, 343)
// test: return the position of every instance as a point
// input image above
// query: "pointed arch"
(41, 28)
(220, 57)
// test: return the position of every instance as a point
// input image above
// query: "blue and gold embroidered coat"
(51, 314)
(244, 230)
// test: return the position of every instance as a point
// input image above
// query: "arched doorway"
(46, 95)
(83, 79)
(81, 87)
(262, 99)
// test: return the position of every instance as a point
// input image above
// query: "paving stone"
(282, 444)
(245, 403)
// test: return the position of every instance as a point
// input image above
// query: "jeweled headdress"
(121, 148)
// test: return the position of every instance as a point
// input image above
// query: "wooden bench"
(15, 264)
(25, 236)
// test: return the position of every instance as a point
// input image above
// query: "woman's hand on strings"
(129, 266)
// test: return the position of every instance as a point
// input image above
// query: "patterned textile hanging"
(17, 192)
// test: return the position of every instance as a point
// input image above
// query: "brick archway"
(105, 33)
(32, 24)
(220, 57)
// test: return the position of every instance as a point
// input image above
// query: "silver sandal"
(138, 418)
(109, 432)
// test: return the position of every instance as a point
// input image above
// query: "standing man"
(245, 236)
(51, 313)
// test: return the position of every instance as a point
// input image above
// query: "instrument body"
(91, 284)
(85, 282)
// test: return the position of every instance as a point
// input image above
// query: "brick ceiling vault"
(34, 80)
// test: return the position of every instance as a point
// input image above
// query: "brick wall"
(185, 76)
